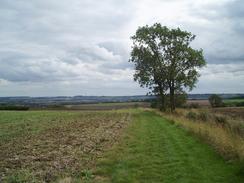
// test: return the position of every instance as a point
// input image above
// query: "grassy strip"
(155, 150)
(224, 140)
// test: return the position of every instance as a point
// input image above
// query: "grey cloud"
(235, 9)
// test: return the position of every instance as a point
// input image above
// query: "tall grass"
(219, 134)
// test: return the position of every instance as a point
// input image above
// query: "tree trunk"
(162, 98)
(172, 98)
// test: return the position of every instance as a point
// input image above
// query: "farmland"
(45, 146)
(238, 102)
(125, 145)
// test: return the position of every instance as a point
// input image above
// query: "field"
(234, 112)
(203, 103)
(43, 145)
(238, 102)
(126, 145)
(108, 106)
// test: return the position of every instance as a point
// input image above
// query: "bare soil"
(204, 103)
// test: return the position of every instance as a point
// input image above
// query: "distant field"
(235, 112)
(234, 100)
(239, 102)
(204, 103)
(108, 106)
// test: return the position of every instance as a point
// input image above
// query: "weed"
(219, 119)
(87, 175)
(193, 106)
(203, 116)
(191, 115)
(21, 176)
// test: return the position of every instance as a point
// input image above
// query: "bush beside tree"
(216, 101)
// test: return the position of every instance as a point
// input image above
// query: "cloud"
(82, 47)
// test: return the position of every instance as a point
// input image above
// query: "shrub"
(215, 101)
(154, 104)
(203, 116)
(136, 105)
(239, 104)
(220, 119)
(191, 115)
(180, 99)
(12, 107)
(238, 129)
(193, 105)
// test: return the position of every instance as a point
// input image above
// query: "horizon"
(116, 95)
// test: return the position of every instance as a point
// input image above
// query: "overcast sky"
(82, 47)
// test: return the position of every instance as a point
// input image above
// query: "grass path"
(154, 150)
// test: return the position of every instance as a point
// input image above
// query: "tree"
(215, 100)
(164, 61)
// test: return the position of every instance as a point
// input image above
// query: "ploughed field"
(48, 145)
(134, 145)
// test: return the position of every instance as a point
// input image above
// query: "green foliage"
(180, 99)
(240, 104)
(154, 104)
(14, 108)
(191, 115)
(164, 60)
(215, 101)
(87, 175)
(21, 176)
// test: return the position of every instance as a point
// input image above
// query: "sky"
(82, 47)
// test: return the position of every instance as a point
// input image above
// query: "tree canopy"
(164, 61)
(215, 100)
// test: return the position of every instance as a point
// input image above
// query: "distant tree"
(164, 61)
(215, 100)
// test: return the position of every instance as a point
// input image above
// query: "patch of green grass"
(234, 100)
(239, 102)
(21, 176)
(155, 150)
(16, 123)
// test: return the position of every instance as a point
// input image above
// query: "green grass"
(234, 102)
(155, 150)
(14, 124)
